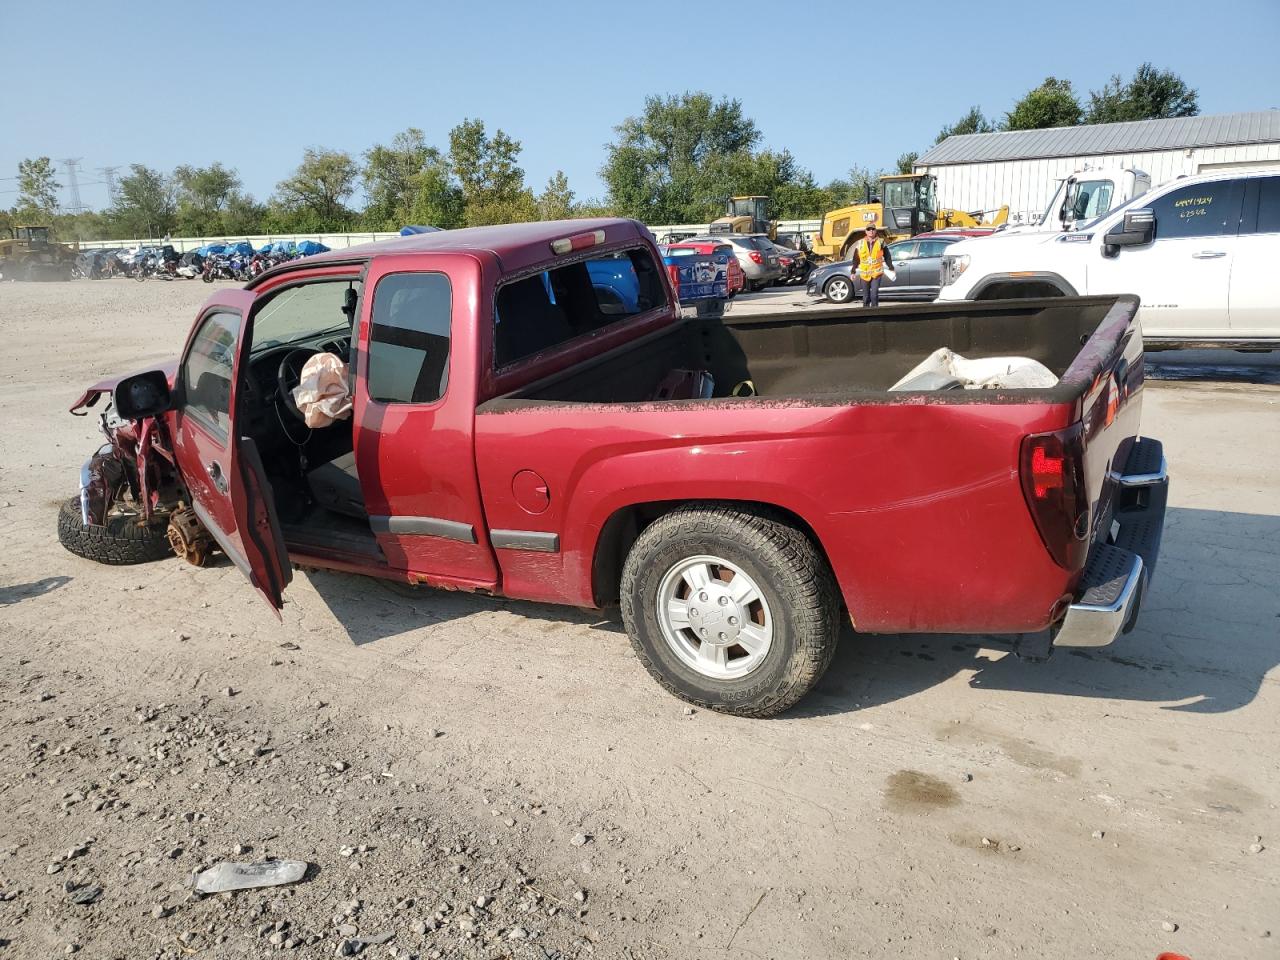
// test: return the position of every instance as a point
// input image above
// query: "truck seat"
(336, 486)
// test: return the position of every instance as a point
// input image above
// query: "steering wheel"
(289, 375)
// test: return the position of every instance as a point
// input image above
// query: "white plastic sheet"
(322, 393)
(944, 369)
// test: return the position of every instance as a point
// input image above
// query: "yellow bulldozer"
(746, 215)
(30, 254)
(907, 205)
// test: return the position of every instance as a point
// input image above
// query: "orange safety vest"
(870, 259)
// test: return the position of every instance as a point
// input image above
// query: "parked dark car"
(916, 261)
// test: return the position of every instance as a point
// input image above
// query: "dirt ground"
(482, 778)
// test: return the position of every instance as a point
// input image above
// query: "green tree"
(391, 178)
(145, 204)
(204, 195)
(242, 216)
(1151, 94)
(863, 182)
(662, 166)
(1052, 104)
(314, 197)
(492, 181)
(907, 161)
(437, 200)
(37, 189)
(556, 200)
(88, 225)
(971, 122)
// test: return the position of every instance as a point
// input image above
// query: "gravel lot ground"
(478, 778)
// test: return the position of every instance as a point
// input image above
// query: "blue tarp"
(308, 247)
(242, 249)
(211, 248)
(410, 231)
(619, 276)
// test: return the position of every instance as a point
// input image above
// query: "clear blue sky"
(251, 84)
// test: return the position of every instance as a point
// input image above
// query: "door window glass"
(932, 248)
(207, 373)
(902, 251)
(1199, 210)
(1092, 199)
(409, 338)
(1269, 205)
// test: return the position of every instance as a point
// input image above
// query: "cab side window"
(409, 338)
(1199, 210)
(207, 373)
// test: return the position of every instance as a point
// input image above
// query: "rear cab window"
(542, 311)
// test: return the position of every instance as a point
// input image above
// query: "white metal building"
(983, 171)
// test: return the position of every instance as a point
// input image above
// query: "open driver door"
(221, 468)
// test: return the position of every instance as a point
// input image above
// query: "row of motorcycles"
(238, 261)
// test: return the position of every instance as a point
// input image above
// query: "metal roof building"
(982, 171)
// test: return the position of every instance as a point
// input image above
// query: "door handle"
(1208, 255)
(214, 469)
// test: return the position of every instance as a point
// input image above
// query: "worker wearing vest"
(870, 258)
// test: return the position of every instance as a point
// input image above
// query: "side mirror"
(142, 395)
(1137, 228)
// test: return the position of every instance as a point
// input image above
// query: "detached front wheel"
(730, 609)
(121, 540)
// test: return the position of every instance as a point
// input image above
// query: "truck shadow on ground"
(1208, 635)
(18, 592)
(369, 609)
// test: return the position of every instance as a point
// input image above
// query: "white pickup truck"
(1199, 252)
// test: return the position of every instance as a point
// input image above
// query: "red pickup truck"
(739, 485)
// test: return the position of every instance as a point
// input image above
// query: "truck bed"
(843, 355)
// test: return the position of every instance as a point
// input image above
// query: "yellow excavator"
(31, 255)
(907, 205)
(746, 215)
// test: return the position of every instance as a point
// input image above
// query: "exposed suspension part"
(188, 537)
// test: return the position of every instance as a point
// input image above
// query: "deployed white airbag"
(322, 394)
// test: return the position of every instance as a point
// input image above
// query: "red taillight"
(755, 257)
(1053, 484)
(1046, 471)
(674, 273)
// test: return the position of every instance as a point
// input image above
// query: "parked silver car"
(917, 262)
(757, 256)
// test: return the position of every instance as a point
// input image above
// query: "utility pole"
(73, 184)
(109, 175)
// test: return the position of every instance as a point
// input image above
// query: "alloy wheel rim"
(714, 617)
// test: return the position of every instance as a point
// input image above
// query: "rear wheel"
(730, 609)
(121, 540)
(838, 289)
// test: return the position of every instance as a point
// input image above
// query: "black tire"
(793, 577)
(119, 542)
(834, 295)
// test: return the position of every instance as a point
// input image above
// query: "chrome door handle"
(1208, 255)
(214, 469)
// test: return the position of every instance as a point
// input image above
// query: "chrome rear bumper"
(1109, 596)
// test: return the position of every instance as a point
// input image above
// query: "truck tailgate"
(1127, 484)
